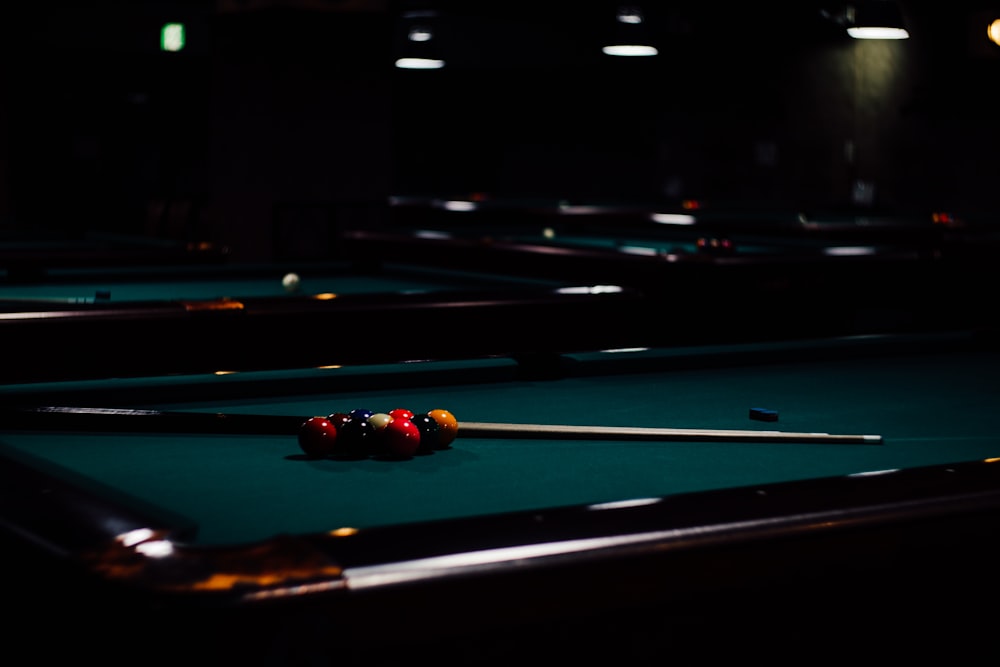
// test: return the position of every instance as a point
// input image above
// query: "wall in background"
(280, 122)
(749, 104)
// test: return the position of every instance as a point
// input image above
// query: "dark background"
(282, 121)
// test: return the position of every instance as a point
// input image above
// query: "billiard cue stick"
(124, 419)
(556, 431)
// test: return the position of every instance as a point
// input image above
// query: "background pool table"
(40, 253)
(494, 545)
(113, 321)
(761, 286)
(185, 282)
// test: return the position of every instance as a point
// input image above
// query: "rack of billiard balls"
(361, 433)
(713, 245)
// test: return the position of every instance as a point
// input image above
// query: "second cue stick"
(115, 419)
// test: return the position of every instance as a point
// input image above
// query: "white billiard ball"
(291, 282)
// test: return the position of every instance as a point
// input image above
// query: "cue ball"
(380, 420)
(291, 282)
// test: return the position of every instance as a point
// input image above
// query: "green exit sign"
(172, 37)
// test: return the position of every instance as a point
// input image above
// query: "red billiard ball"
(399, 439)
(401, 413)
(318, 437)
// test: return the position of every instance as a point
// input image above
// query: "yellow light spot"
(993, 32)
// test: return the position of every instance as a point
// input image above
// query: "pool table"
(856, 251)
(109, 321)
(30, 256)
(776, 222)
(177, 516)
(774, 286)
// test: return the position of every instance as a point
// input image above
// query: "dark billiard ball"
(318, 437)
(398, 440)
(447, 427)
(360, 413)
(339, 418)
(355, 438)
(429, 429)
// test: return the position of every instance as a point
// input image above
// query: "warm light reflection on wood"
(216, 304)
(277, 563)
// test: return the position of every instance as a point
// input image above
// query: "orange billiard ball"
(447, 427)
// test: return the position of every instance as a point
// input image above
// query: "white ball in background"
(291, 282)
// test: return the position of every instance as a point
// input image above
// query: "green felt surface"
(930, 409)
(245, 281)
